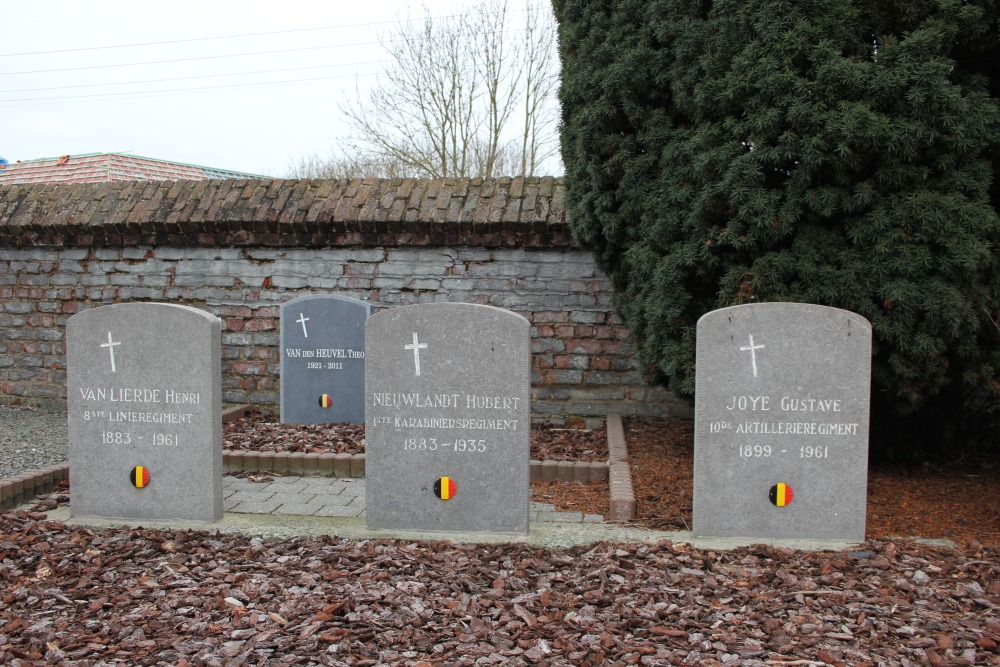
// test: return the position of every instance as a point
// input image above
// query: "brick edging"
(353, 465)
(568, 471)
(234, 412)
(25, 487)
(295, 463)
(622, 501)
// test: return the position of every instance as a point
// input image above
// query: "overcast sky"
(196, 101)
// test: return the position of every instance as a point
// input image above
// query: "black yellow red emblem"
(325, 400)
(780, 494)
(445, 488)
(139, 477)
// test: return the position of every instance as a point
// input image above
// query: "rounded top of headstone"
(778, 309)
(444, 308)
(326, 295)
(137, 310)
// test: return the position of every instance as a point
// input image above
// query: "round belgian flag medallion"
(780, 494)
(139, 477)
(445, 488)
(325, 401)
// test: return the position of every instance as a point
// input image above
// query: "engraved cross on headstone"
(111, 348)
(302, 320)
(753, 353)
(416, 347)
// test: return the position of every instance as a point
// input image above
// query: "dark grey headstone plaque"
(323, 359)
(448, 419)
(144, 406)
(781, 422)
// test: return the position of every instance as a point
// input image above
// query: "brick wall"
(239, 248)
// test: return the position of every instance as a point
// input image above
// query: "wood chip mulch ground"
(73, 596)
(959, 503)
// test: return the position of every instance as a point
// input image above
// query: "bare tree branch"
(466, 95)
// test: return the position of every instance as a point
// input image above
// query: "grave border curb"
(353, 465)
(622, 500)
(234, 412)
(23, 488)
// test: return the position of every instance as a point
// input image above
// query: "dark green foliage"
(838, 152)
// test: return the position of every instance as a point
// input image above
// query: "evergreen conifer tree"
(836, 152)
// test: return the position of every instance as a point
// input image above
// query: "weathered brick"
(600, 363)
(95, 280)
(48, 334)
(12, 320)
(285, 282)
(267, 339)
(601, 378)
(571, 361)
(124, 280)
(249, 368)
(234, 396)
(547, 345)
(585, 346)
(41, 320)
(237, 339)
(194, 280)
(424, 284)
(264, 397)
(261, 324)
(322, 283)
(562, 377)
(586, 317)
(565, 331)
(63, 279)
(236, 311)
(19, 307)
(17, 374)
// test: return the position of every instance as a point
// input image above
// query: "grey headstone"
(447, 391)
(144, 389)
(782, 397)
(323, 359)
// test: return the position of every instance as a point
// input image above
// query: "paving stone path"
(344, 497)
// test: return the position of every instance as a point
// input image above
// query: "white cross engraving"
(111, 348)
(753, 353)
(416, 347)
(302, 320)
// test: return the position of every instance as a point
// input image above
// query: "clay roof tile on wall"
(103, 167)
(522, 212)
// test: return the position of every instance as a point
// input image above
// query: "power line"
(183, 78)
(111, 97)
(182, 60)
(206, 39)
(236, 36)
(127, 95)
